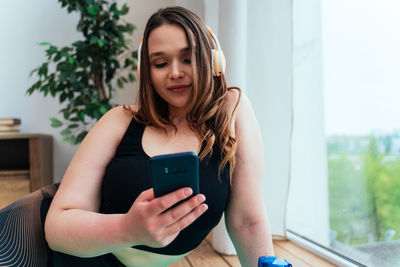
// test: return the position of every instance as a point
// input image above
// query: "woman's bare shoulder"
(120, 114)
(123, 110)
(113, 124)
(234, 99)
(130, 108)
(233, 94)
(237, 100)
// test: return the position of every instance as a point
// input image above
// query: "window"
(345, 188)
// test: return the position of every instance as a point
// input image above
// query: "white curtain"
(269, 87)
(309, 186)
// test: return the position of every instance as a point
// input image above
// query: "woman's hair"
(207, 111)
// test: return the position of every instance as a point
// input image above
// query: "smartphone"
(174, 171)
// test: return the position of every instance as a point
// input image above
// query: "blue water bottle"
(272, 262)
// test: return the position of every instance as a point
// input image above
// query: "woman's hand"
(150, 223)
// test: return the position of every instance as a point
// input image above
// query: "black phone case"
(174, 171)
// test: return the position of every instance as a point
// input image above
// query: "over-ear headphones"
(218, 58)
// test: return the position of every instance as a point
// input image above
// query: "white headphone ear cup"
(221, 62)
(218, 62)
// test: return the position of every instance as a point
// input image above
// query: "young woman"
(105, 213)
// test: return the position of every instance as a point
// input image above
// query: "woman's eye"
(187, 61)
(160, 65)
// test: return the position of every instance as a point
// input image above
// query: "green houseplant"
(83, 75)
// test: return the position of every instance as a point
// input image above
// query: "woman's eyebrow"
(161, 53)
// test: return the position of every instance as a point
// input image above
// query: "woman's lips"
(178, 88)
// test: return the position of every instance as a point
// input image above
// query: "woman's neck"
(176, 117)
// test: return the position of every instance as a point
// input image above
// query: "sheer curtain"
(309, 186)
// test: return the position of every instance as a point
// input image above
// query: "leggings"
(22, 240)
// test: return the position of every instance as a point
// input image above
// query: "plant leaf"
(120, 84)
(81, 115)
(80, 137)
(55, 122)
(65, 132)
(72, 126)
(113, 7)
(71, 140)
(103, 110)
(92, 11)
(70, 60)
(100, 43)
(93, 40)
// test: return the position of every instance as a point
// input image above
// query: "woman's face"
(170, 65)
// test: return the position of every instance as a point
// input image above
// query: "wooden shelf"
(26, 165)
(8, 173)
(21, 136)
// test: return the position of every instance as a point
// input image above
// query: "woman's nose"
(176, 70)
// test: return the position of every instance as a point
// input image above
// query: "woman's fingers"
(185, 221)
(146, 195)
(156, 223)
(161, 204)
(183, 209)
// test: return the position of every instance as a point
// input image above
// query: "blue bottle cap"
(273, 262)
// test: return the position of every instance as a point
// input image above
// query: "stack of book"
(9, 125)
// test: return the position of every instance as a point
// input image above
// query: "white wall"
(23, 25)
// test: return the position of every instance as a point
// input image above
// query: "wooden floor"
(206, 256)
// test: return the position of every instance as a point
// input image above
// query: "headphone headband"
(139, 56)
(214, 37)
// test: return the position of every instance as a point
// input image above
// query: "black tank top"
(127, 175)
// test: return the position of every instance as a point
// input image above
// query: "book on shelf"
(8, 128)
(10, 121)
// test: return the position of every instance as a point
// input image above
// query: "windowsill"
(309, 248)
(299, 256)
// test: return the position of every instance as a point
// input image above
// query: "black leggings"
(22, 240)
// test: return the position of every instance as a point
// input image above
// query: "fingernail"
(201, 198)
(188, 191)
(204, 207)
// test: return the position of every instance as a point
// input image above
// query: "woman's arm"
(73, 224)
(246, 217)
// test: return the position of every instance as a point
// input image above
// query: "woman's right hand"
(150, 223)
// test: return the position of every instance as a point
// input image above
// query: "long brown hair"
(207, 112)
